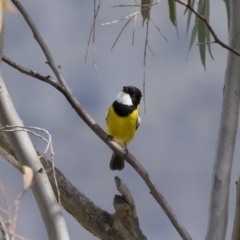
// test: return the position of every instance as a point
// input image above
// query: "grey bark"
(121, 225)
(218, 212)
(236, 225)
(25, 152)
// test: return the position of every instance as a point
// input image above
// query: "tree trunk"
(218, 212)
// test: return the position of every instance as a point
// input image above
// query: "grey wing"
(138, 122)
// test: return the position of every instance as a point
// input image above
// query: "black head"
(134, 93)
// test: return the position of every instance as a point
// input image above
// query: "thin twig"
(3, 210)
(135, 5)
(134, 26)
(144, 65)
(31, 73)
(214, 35)
(4, 229)
(8, 210)
(129, 158)
(41, 42)
(118, 20)
(48, 141)
(132, 14)
(158, 29)
(26, 128)
(151, 50)
(121, 33)
(92, 34)
(62, 87)
(204, 43)
(16, 206)
(8, 231)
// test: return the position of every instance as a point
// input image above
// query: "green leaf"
(202, 33)
(228, 12)
(189, 16)
(201, 7)
(200, 28)
(201, 40)
(185, 11)
(172, 12)
(146, 9)
(194, 33)
(208, 39)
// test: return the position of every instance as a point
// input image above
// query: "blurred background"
(177, 138)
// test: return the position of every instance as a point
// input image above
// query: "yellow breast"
(122, 128)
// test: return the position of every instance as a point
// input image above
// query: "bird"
(123, 120)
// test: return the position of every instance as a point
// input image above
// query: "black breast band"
(123, 110)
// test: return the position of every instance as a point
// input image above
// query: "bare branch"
(92, 34)
(31, 73)
(144, 64)
(129, 158)
(121, 32)
(135, 24)
(99, 222)
(136, 5)
(204, 43)
(8, 209)
(158, 29)
(41, 42)
(62, 87)
(151, 50)
(126, 214)
(4, 230)
(118, 20)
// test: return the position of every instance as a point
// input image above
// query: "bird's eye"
(133, 95)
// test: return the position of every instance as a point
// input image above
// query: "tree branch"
(24, 150)
(218, 210)
(121, 225)
(47, 79)
(64, 89)
(214, 35)
(114, 146)
(40, 41)
(3, 229)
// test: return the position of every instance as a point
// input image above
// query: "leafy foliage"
(228, 12)
(146, 9)
(172, 12)
(201, 29)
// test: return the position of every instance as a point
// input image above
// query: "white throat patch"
(124, 98)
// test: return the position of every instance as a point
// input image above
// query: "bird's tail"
(117, 162)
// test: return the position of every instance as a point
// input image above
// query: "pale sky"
(177, 138)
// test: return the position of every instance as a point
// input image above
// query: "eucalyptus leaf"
(202, 33)
(201, 7)
(208, 38)
(194, 33)
(146, 9)
(201, 40)
(227, 3)
(172, 12)
(195, 27)
(189, 16)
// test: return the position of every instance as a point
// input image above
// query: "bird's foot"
(110, 138)
(126, 150)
